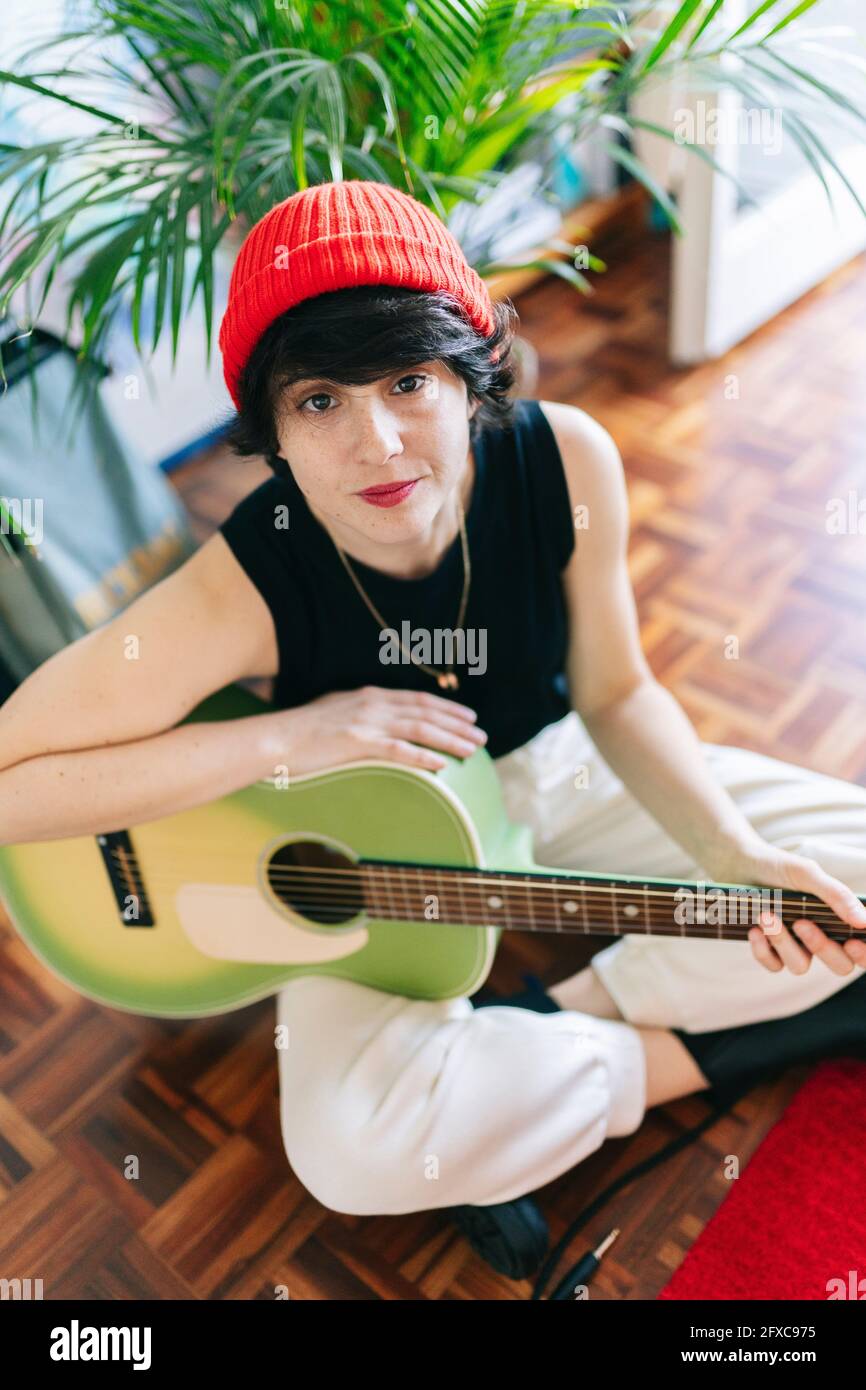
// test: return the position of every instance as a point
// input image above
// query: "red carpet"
(795, 1219)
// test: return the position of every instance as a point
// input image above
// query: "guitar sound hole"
(317, 882)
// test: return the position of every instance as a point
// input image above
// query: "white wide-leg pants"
(392, 1105)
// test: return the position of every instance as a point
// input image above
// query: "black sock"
(834, 1028)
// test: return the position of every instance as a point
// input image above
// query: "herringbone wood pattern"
(730, 468)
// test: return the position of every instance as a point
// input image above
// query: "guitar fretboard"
(590, 904)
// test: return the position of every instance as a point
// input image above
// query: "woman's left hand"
(773, 944)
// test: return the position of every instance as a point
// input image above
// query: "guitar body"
(215, 933)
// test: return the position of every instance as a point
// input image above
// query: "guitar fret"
(506, 902)
(413, 901)
(444, 912)
(390, 892)
(528, 892)
(408, 907)
(444, 895)
(463, 915)
(496, 901)
(567, 904)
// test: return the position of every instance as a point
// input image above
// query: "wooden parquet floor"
(730, 468)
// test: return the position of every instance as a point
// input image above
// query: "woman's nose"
(375, 436)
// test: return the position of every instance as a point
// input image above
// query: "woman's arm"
(87, 741)
(197, 630)
(639, 728)
(97, 790)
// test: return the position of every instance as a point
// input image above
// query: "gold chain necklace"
(447, 680)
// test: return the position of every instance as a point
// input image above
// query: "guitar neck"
(586, 904)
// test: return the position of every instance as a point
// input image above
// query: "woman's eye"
(415, 376)
(319, 396)
(326, 396)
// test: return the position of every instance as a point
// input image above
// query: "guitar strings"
(575, 925)
(818, 911)
(478, 885)
(535, 919)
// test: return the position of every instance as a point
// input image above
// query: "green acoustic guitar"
(394, 877)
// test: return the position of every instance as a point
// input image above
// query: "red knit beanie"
(331, 236)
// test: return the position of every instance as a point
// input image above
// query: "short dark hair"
(362, 334)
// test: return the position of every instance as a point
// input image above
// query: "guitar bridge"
(124, 875)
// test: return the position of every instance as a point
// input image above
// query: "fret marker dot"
(570, 905)
(494, 901)
(630, 910)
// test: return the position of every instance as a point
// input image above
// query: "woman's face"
(348, 446)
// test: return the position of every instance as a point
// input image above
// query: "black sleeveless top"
(520, 534)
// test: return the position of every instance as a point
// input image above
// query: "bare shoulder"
(586, 447)
(216, 570)
(593, 469)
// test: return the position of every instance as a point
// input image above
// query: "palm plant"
(239, 103)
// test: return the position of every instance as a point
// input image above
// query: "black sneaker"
(512, 1237)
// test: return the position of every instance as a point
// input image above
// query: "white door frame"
(734, 270)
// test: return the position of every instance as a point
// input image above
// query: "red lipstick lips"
(389, 494)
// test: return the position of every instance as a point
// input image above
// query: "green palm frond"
(246, 101)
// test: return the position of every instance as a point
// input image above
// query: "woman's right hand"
(346, 726)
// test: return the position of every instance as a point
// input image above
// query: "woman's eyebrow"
(310, 382)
